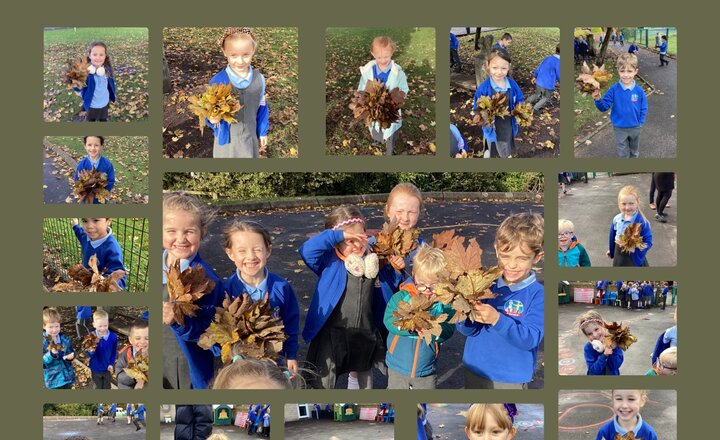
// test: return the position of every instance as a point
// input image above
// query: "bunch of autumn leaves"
(496, 106)
(240, 326)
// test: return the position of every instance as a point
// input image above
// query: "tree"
(483, 47)
(600, 59)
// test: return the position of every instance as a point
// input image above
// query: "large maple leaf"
(377, 104)
(247, 328)
(394, 241)
(216, 104)
(90, 186)
(630, 240)
(620, 335)
(489, 108)
(90, 280)
(185, 288)
(137, 367)
(414, 316)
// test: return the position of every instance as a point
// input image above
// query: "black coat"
(193, 422)
(664, 181)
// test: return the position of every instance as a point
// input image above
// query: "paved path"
(592, 206)
(332, 430)
(659, 134)
(167, 432)
(645, 324)
(60, 428)
(530, 421)
(55, 184)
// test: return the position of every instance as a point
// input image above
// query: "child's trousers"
(101, 380)
(82, 327)
(477, 382)
(97, 114)
(389, 143)
(627, 142)
(398, 381)
(543, 95)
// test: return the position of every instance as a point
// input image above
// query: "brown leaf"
(216, 104)
(185, 288)
(90, 342)
(76, 72)
(377, 104)
(137, 367)
(414, 316)
(523, 113)
(630, 240)
(394, 241)
(620, 335)
(488, 108)
(90, 280)
(52, 345)
(90, 186)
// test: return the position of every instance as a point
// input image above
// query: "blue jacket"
(318, 253)
(282, 298)
(200, 361)
(454, 42)
(56, 371)
(643, 431)
(638, 256)
(629, 107)
(113, 408)
(99, 409)
(633, 49)
(109, 254)
(648, 290)
(421, 421)
(105, 353)
(574, 256)
(222, 130)
(515, 98)
(600, 365)
(104, 166)
(663, 47)
(139, 412)
(88, 91)
(407, 353)
(83, 312)
(507, 351)
(459, 141)
(548, 72)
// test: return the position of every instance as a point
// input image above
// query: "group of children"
(573, 254)
(134, 415)
(105, 360)
(633, 294)
(258, 421)
(348, 326)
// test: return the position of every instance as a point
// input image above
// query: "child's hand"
(168, 317)
(263, 141)
(397, 261)
(292, 366)
(596, 94)
(608, 351)
(69, 357)
(533, 80)
(139, 384)
(485, 313)
(111, 369)
(608, 254)
(361, 237)
(54, 351)
(75, 221)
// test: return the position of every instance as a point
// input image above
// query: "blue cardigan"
(600, 365)
(282, 297)
(105, 353)
(88, 91)
(318, 253)
(638, 256)
(515, 98)
(109, 254)
(222, 130)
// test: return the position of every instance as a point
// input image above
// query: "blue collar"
(184, 264)
(635, 430)
(256, 293)
(517, 286)
(630, 87)
(497, 88)
(96, 243)
(237, 80)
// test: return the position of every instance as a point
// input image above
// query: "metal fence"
(646, 36)
(62, 250)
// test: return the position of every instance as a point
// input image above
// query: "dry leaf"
(185, 288)
(620, 335)
(488, 108)
(90, 342)
(216, 104)
(630, 240)
(90, 186)
(52, 345)
(76, 72)
(523, 113)
(414, 316)
(137, 367)
(377, 104)
(90, 280)
(394, 241)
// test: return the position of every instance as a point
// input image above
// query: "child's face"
(662, 368)
(491, 431)
(97, 56)
(93, 147)
(425, 283)
(627, 75)
(239, 53)
(101, 325)
(249, 253)
(628, 205)
(498, 69)
(594, 331)
(406, 209)
(353, 246)
(383, 56)
(182, 234)
(96, 228)
(52, 328)
(516, 263)
(506, 41)
(626, 405)
(565, 237)
(139, 339)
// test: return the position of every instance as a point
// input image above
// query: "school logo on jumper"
(634, 97)
(513, 307)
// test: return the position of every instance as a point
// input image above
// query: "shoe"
(652, 206)
(137, 428)
(660, 218)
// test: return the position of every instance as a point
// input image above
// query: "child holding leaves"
(139, 347)
(57, 353)
(94, 160)
(630, 234)
(103, 355)
(626, 409)
(601, 360)
(96, 238)
(99, 90)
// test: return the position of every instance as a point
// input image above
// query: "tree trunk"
(477, 37)
(484, 47)
(590, 39)
(167, 85)
(600, 59)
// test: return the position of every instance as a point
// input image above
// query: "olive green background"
(24, 131)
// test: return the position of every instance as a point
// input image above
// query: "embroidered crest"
(513, 307)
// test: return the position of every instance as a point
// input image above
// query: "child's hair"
(668, 358)
(250, 369)
(664, 37)
(50, 314)
(237, 32)
(218, 437)
(102, 139)
(589, 317)
(524, 230)
(557, 49)
(627, 60)
(181, 201)
(344, 215)
(95, 43)
(477, 414)
(506, 36)
(245, 226)
(498, 53)
(420, 411)
(100, 314)
(565, 225)
(383, 42)
(430, 261)
(643, 393)
(630, 190)
(405, 188)
(138, 324)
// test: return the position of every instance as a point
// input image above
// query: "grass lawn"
(128, 52)
(194, 57)
(130, 158)
(348, 49)
(63, 248)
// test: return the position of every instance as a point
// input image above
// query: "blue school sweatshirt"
(600, 365)
(104, 165)
(548, 72)
(109, 254)
(88, 91)
(515, 98)
(105, 353)
(642, 430)
(619, 225)
(507, 351)
(139, 412)
(282, 298)
(629, 105)
(663, 47)
(454, 42)
(83, 312)
(200, 361)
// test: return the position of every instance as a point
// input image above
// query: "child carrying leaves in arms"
(101, 346)
(95, 174)
(57, 353)
(93, 78)
(132, 360)
(413, 348)
(630, 234)
(96, 239)
(627, 422)
(602, 359)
